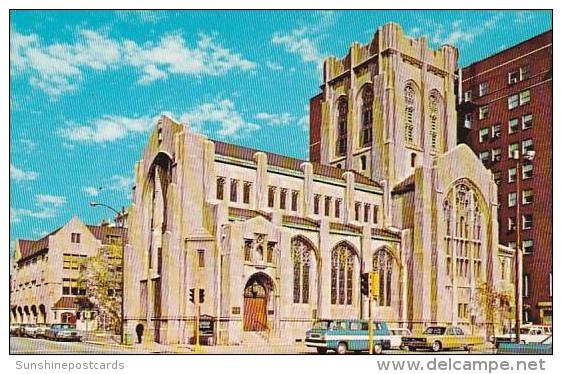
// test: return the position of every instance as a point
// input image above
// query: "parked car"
(14, 328)
(396, 334)
(544, 347)
(346, 335)
(527, 334)
(41, 330)
(63, 331)
(437, 338)
(35, 331)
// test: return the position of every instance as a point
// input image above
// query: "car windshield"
(321, 325)
(435, 331)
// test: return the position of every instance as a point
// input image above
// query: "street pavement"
(20, 345)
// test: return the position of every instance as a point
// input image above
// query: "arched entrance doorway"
(257, 295)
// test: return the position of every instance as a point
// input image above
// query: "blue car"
(345, 335)
(542, 348)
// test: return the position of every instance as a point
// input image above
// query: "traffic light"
(192, 295)
(201, 296)
(375, 284)
(365, 284)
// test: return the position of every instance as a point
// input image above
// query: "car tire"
(341, 348)
(377, 349)
(321, 350)
(436, 346)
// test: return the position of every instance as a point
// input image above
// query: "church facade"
(276, 242)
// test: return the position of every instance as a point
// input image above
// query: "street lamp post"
(529, 155)
(120, 222)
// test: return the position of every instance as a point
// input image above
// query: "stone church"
(277, 242)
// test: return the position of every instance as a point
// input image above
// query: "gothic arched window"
(342, 126)
(342, 275)
(462, 209)
(367, 115)
(302, 256)
(410, 108)
(382, 263)
(434, 121)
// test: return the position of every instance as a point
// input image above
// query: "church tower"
(385, 108)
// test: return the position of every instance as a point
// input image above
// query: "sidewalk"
(110, 340)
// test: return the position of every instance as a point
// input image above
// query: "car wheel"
(321, 350)
(377, 349)
(342, 348)
(436, 346)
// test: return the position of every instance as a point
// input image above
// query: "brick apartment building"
(505, 105)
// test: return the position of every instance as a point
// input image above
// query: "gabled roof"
(73, 302)
(286, 162)
(405, 186)
(102, 232)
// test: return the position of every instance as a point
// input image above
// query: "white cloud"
(299, 41)
(21, 175)
(91, 191)
(60, 67)
(28, 144)
(223, 114)
(46, 207)
(106, 129)
(273, 65)
(275, 119)
(120, 183)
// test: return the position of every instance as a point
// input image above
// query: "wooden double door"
(256, 295)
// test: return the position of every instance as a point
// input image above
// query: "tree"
(496, 304)
(101, 275)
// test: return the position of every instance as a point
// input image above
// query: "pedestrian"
(139, 329)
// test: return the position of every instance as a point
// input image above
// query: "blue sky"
(87, 86)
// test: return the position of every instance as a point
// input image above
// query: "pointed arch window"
(410, 101)
(382, 263)
(302, 256)
(367, 115)
(342, 275)
(342, 126)
(434, 121)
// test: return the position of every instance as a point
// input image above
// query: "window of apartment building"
(75, 237)
(513, 77)
(72, 261)
(484, 156)
(283, 199)
(484, 134)
(483, 88)
(511, 199)
(524, 97)
(246, 192)
(513, 101)
(337, 207)
(220, 188)
(72, 287)
(357, 211)
(511, 172)
(527, 246)
(468, 95)
(527, 223)
(316, 204)
(526, 285)
(524, 72)
(513, 148)
(510, 224)
(201, 258)
(233, 190)
(496, 154)
(513, 125)
(468, 121)
(527, 121)
(497, 175)
(366, 211)
(483, 112)
(375, 214)
(527, 170)
(327, 203)
(271, 196)
(113, 239)
(363, 163)
(294, 201)
(527, 196)
(496, 131)
(527, 145)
